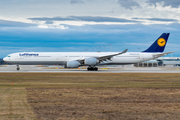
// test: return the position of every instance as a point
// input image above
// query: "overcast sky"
(84, 25)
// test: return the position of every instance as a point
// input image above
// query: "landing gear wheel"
(88, 69)
(18, 68)
(92, 69)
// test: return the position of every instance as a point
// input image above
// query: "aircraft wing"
(104, 58)
(108, 57)
(161, 54)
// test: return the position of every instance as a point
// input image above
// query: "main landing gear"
(92, 68)
(18, 68)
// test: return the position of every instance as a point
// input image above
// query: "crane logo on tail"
(161, 42)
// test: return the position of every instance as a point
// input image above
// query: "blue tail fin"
(159, 44)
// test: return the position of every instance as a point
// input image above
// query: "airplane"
(90, 59)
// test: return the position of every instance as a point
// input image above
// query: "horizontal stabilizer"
(161, 54)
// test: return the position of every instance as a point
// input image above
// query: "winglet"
(124, 51)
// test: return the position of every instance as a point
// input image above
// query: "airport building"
(162, 61)
(150, 63)
(169, 61)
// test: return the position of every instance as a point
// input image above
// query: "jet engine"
(72, 64)
(91, 61)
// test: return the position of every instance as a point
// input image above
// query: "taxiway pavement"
(36, 69)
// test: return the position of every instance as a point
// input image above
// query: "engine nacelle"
(72, 64)
(91, 61)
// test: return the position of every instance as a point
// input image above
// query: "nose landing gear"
(18, 68)
(92, 68)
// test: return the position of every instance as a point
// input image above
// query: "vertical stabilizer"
(159, 44)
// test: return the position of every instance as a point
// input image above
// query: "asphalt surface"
(54, 69)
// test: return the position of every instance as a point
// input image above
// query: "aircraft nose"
(5, 59)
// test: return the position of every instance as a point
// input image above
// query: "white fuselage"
(61, 58)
